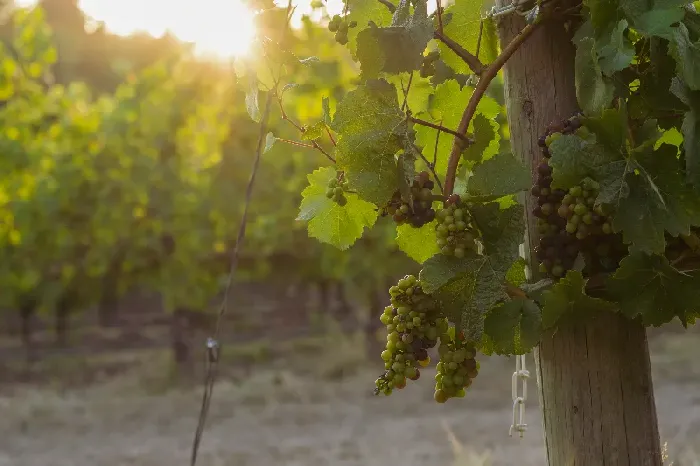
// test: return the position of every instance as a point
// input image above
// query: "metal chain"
(520, 377)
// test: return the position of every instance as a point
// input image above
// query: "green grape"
(411, 320)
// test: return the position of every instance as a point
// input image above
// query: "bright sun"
(224, 28)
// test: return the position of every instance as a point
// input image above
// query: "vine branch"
(454, 133)
(486, 77)
(470, 59)
(388, 4)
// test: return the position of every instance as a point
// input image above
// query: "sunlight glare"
(224, 28)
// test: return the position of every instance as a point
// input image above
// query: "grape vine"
(616, 194)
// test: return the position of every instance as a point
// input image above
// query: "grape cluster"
(569, 221)
(413, 323)
(456, 369)
(336, 191)
(427, 66)
(455, 234)
(418, 211)
(340, 26)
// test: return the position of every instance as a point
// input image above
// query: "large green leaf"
(364, 12)
(498, 176)
(329, 222)
(396, 48)
(659, 201)
(593, 90)
(567, 301)
(687, 55)
(420, 244)
(650, 287)
(468, 288)
(690, 129)
(463, 19)
(514, 327)
(371, 131)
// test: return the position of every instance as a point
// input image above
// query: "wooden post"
(594, 380)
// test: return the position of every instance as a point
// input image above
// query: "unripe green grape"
(330, 193)
(571, 228)
(580, 209)
(607, 229)
(440, 396)
(387, 355)
(342, 201)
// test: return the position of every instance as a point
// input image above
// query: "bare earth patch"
(283, 414)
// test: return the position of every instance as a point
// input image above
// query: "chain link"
(520, 377)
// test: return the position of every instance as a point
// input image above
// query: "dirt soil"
(313, 409)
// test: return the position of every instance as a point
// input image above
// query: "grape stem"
(431, 167)
(313, 144)
(454, 133)
(485, 79)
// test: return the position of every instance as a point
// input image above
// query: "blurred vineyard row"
(124, 162)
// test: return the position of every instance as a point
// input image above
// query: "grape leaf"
(270, 140)
(659, 200)
(328, 221)
(371, 131)
(516, 273)
(690, 129)
(420, 244)
(364, 11)
(448, 103)
(313, 132)
(514, 327)
(326, 105)
(396, 48)
(502, 233)
(469, 287)
(567, 300)
(467, 299)
(574, 159)
(498, 176)
(615, 51)
(489, 41)
(251, 98)
(658, 22)
(593, 90)
(687, 56)
(650, 287)
(462, 25)
(486, 140)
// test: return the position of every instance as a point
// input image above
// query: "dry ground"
(311, 407)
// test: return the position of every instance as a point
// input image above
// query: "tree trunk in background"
(26, 313)
(594, 380)
(180, 334)
(61, 322)
(108, 304)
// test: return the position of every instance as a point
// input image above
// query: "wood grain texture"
(594, 380)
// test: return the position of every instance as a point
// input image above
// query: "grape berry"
(340, 26)
(413, 323)
(336, 191)
(417, 212)
(456, 369)
(569, 221)
(455, 234)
